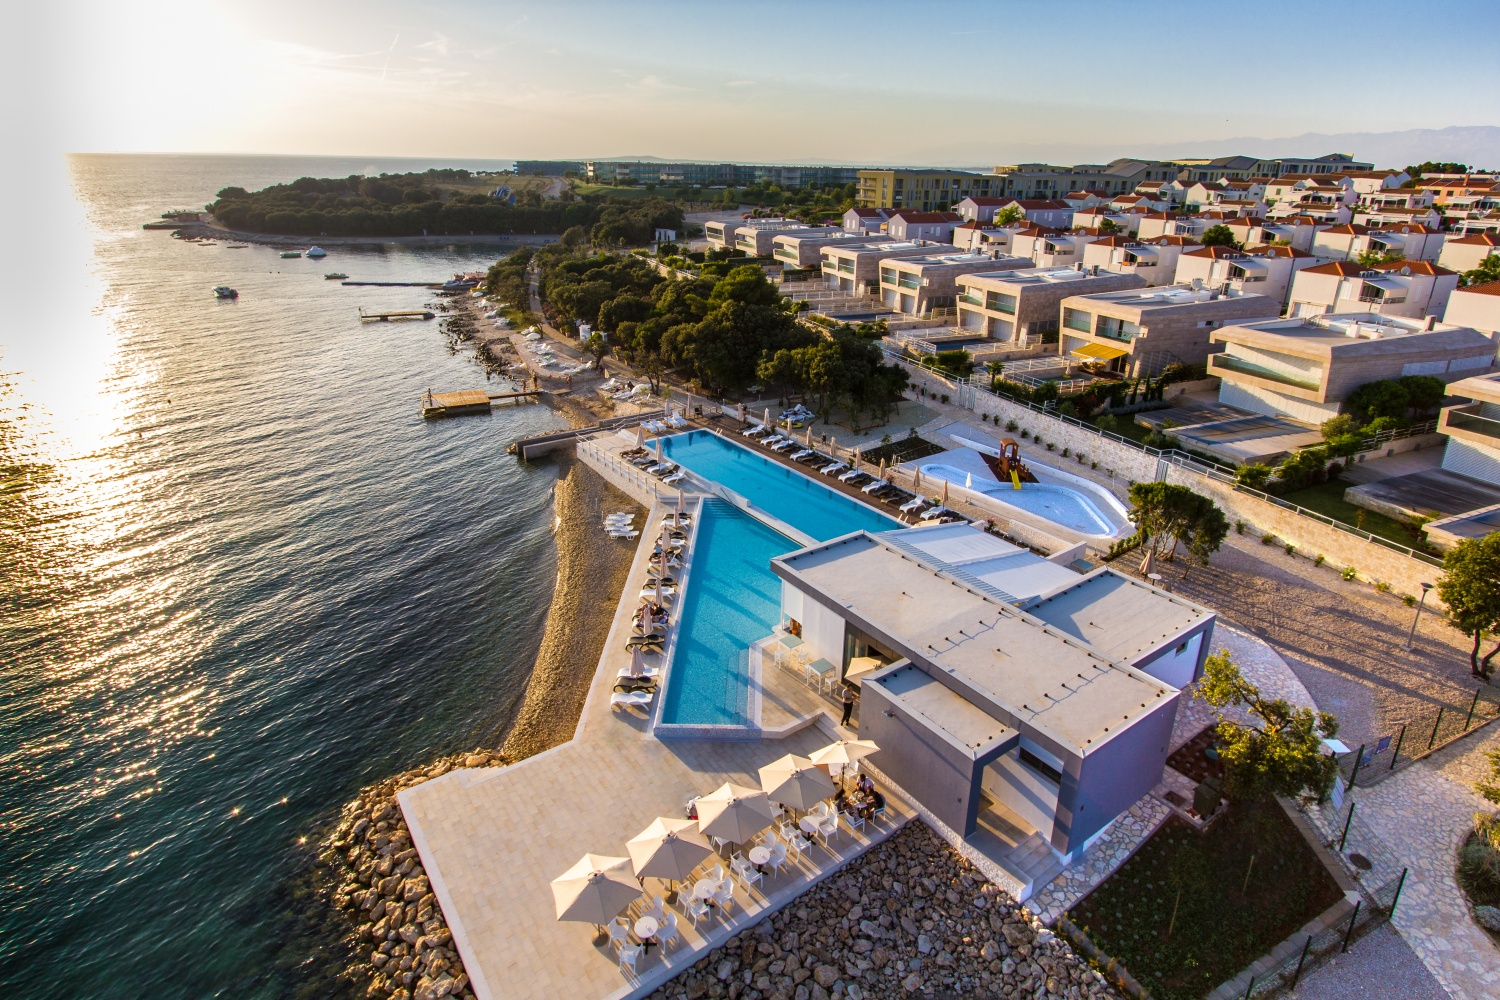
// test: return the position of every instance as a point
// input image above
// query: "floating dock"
(395, 284)
(457, 404)
(400, 314)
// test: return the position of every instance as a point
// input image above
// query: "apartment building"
(1128, 223)
(1206, 194)
(759, 241)
(923, 190)
(1049, 248)
(1140, 203)
(1049, 181)
(1156, 225)
(550, 168)
(1326, 199)
(1465, 253)
(982, 235)
(714, 174)
(1477, 306)
(1473, 429)
(1414, 288)
(1264, 270)
(1154, 260)
(1347, 242)
(1246, 167)
(1085, 199)
(855, 267)
(1304, 367)
(1140, 332)
(752, 236)
(917, 286)
(1429, 217)
(799, 249)
(865, 220)
(908, 224)
(1171, 192)
(1024, 306)
(1297, 232)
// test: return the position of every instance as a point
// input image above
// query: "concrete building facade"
(919, 285)
(1024, 306)
(1140, 332)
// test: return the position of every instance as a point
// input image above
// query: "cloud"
(740, 83)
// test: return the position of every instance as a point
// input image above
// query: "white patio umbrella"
(742, 413)
(640, 437)
(861, 665)
(968, 480)
(796, 781)
(637, 658)
(659, 457)
(944, 500)
(595, 889)
(882, 469)
(668, 848)
(808, 439)
(843, 752)
(733, 812)
(916, 478)
(767, 417)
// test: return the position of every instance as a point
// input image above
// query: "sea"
(240, 578)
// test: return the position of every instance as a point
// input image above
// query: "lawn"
(1222, 922)
(1328, 499)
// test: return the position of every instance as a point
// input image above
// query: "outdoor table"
(646, 928)
(791, 641)
(808, 825)
(759, 856)
(704, 888)
(820, 668)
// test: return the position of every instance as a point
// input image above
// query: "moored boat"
(316, 252)
(335, 275)
(225, 292)
(291, 253)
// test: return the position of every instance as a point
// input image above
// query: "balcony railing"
(1005, 305)
(970, 299)
(1467, 418)
(908, 282)
(1230, 363)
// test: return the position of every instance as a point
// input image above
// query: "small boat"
(335, 276)
(225, 292)
(316, 252)
(287, 254)
(236, 246)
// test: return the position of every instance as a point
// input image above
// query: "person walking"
(848, 696)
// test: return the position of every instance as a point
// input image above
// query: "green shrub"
(1478, 869)
(1318, 561)
(1253, 475)
(1011, 425)
(1290, 548)
(1066, 452)
(1051, 445)
(1239, 527)
(1093, 465)
(1267, 538)
(1349, 573)
(1408, 600)
(944, 397)
(1381, 587)
(1025, 435)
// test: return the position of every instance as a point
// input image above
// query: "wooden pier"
(456, 404)
(399, 314)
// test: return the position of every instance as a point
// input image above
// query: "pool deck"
(492, 839)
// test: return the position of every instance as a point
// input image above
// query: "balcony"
(1220, 364)
(1002, 304)
(970, 299)
(909, 282)
(1465, 423)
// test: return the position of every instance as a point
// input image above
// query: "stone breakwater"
(403, 946)
(910, 918)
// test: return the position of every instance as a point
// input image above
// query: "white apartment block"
(1326, 199)
(912, 225)
(1465, 253)
(1411, 288)
(1022, 306)
(1154, 260)
(865, 220)
(1347, 242)
(798, 249)
(917, 286)
(1140, 331)
(1477, 306)
(1263, 270)
(1129, 223)
(1045, 248)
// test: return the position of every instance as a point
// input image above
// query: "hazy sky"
(913, 81)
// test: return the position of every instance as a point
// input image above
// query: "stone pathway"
(1421, 814)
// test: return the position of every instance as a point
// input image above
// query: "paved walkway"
(1422, 814)
(492, 839)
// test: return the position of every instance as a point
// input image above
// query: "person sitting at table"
(865, 785)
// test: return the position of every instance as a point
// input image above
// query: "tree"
(1372, 258)
(1490, 790)
(1385, 398)
(1109, 227)
(649, 365)
(1166, 515)
(1220, 236)
(1009, 215)
(574, 238)
(1279, 753)
(1470, 587)
(1340, 425)
(1488, 270)
(1424, 393)
(597, 347)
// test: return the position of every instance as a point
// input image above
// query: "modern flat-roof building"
(1477, 306)
(553, 168)
(1473, 429)
(1305, 367)
(918, 285)
(1264, 270)
(1044, 717)
(923, 190)
(1246, 167)
(759, 241)
(795, 248)
(1049, 248)
(1140, 332)
(1154, 260)
(714, 174)
(1022, 306)
(747, 234)
(855, 267)
(1047, 180)
(1395, 288)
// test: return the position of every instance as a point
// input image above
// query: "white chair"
(716, 873)
(778, 859)
(725, 896)
(829, 828)
(657, 908)
(855, 821)
(619, 933)
(794, 840)
(746, 871)
(628, 954)
(820, 810)
(719, 843)
(697, 909)
(667, 933)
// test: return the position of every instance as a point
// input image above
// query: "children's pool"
(732, 598)
(1059, 504)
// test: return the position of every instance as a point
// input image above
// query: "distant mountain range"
(1476, 145)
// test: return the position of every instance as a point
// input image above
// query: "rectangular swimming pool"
(782, 492)
(732, 598)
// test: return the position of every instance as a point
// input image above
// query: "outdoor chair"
(619, 932)
(667, 934)
(628, 954)
(778, 858)
(746, 872)
(697, 909)
(724, 898)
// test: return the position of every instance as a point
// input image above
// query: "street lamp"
(1410, 636)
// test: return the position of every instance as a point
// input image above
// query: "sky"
(919, 81)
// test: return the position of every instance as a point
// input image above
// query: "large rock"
(1488, 918)
(826, 975)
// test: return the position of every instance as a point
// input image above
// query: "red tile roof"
(1414, 267)
(1348, 229)
(1214, 253)
(1488, 288)
(1272, 250)
(1342, 268)
(1478, 240)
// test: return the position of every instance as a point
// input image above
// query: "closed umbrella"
(916, 478)
(640, 437)
(968, 480)
(808, 439)
(734, 813)
(882, 470)
(944, 500)
(637, 658)
(796, 781)
(742, 413)
(595, 890)
(767, 417)
(659, 457)
(668, 848)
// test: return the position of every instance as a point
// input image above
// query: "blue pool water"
(1059, 504)
(732, 598)
(784, 493)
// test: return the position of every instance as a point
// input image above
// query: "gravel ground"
(1379, 966)
(1334, 633)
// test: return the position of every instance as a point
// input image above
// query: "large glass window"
(1116, 329)
(1075, 319)
(1001, 302)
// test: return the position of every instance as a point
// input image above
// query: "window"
(1181, 648)
(1040, 766)
(1075, 319)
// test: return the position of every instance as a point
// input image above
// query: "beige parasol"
(861, 665)
(595, 890)
(734, 813)
(668, 848)
(640, 437)
(843, 752)
(916, 478)
(796, 781)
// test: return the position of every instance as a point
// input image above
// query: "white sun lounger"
(675, 478)
(872, 487)
(912, 505)
(624, 699)
(755, 431)
(829, 470)
(851, 474)
(801, 454)
(675, 420)
(784, 444)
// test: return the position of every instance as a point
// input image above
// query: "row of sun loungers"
(635, 685)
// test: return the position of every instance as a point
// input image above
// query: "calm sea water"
(240, 577)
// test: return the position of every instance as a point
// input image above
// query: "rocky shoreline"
(912, 917)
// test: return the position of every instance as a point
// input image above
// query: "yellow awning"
(1099, 352)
